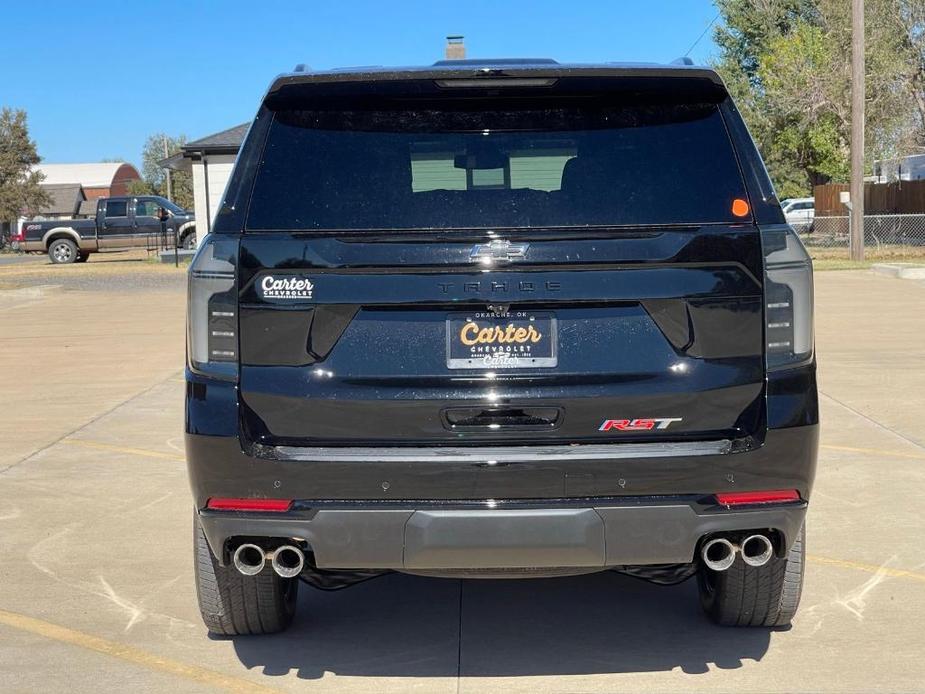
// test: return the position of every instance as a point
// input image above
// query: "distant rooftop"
(96, 175)
(225, 142)
(230, 138)
(64, 199)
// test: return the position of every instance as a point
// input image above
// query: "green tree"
(20, 189)
(154, 178)
(787, 63)
(910, 29)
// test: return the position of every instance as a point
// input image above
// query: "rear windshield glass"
(504, 168)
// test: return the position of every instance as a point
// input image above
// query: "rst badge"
(291, 288)
(644, 424)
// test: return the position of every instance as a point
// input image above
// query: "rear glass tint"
(495, 168)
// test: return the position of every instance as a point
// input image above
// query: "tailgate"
(570, 262)
(645, 335)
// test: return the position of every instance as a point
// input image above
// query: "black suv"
(499, 319)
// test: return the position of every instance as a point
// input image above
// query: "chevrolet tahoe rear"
(499, 319)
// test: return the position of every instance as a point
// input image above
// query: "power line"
(702, 34)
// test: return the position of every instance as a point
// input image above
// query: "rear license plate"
(517, 340)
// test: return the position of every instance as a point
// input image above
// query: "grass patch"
(837, 258)
(841, 264)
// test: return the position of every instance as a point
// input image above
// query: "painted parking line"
(868, 568)
(56, 632)
(874, 451)
(98, 445)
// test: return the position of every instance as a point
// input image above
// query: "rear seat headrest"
(582, 172)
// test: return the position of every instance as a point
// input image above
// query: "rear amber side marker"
(740, 208)
(274, 505)
(767, 497)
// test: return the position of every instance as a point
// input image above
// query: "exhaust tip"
(718, 554)
(757, 550)
(249, 559)
(288, 561)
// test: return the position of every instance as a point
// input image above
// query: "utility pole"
(169, 181)
(857, 130)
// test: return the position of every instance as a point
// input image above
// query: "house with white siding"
(210, 159)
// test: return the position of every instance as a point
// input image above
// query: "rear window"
(495, 168)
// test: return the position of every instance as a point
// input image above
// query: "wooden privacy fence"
(899, 197)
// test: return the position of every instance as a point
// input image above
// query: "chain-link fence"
(885, 236)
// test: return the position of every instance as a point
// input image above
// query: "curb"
(903, 271)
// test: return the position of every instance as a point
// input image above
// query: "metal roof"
(97, 175)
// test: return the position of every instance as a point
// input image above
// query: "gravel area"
(21, 259)
(128, 271)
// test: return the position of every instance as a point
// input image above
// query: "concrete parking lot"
(96, 584)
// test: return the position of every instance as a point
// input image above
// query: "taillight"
(776, 496)
(212, 319)
(271, 505)
(788, 292)
(20, 237)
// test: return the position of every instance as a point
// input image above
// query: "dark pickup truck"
(120, 223)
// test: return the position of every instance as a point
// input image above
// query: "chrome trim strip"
(498, 454)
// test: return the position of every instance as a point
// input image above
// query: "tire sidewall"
(272, 605)
(57, 253)
(720, 591)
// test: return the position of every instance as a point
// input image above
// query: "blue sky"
(97, 77)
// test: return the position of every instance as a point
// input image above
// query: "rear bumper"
(501, 507)
(586, 536)
(219, 467)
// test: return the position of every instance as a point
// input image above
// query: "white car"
(799, 212)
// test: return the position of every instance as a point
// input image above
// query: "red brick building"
(98, 180)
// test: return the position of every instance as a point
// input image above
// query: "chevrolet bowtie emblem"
(498, 251)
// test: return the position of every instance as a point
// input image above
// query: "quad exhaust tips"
(287, 561)
(756, 550)
(719, 553)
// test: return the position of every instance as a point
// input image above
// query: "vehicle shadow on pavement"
(407, 626)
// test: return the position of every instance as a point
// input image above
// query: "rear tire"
(746, 595)
(62, 251)
(82, 257)
(231, 603)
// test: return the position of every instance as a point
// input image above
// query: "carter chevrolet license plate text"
(518, 339)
